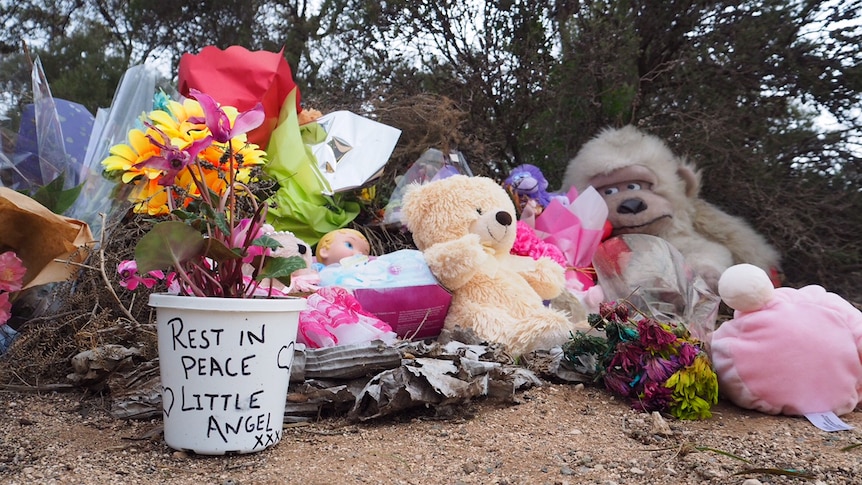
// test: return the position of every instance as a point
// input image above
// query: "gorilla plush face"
(633, 206)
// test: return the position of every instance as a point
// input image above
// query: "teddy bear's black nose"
(632, 206)
(504, 218)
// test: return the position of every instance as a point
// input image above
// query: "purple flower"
(218, 122)
(687, 354)
(653, 335)
(658, 369)
(617, 383)
(655, 397)
(173, 159)
(628, 357)
(129, 278)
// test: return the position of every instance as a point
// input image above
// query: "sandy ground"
(554, 434)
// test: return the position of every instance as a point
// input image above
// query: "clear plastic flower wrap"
(652, 275)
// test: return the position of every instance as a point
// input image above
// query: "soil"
(553, 434)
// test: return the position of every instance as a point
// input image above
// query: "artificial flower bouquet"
(191, 163)
(12, 272)
(657, 366)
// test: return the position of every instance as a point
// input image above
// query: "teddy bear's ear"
(411, 203)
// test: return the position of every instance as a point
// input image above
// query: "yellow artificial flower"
(150, 198)
(124, 157)
(695, 389)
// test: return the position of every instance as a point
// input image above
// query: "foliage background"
(740, 87)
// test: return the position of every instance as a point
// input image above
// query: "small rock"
(659, 425)
(752, 481)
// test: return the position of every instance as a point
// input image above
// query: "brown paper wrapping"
(44, 241)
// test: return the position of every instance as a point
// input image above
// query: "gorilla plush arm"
(745, 244)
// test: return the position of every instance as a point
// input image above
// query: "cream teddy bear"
(465, 227)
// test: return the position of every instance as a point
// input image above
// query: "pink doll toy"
(339, 244)
(334, 316)
(787, 351)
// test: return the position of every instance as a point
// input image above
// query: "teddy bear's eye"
(479, 210)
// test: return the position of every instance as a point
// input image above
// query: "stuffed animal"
(465, 227)
(787, 351)
(649, 190)
(529, 187)
(302, 280)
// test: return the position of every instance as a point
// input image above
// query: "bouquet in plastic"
(657, 366)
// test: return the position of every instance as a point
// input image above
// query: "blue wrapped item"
(52, 140)
(7, 336)
(405, 267)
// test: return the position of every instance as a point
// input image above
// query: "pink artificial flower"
(525, 238)
(527, 243)
(130, 279)
(5, 308)
(173, 284)
(242, 239)
(12, 272)
(218, 122)
(548, 250)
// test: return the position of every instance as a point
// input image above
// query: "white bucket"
(225, 367)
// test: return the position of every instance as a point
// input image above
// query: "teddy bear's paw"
(542, 330)
(547, 278)
(455, 262)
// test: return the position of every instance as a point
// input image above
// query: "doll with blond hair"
(340, 244)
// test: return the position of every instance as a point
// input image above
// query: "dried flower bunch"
(191, 164)
(657, 366)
